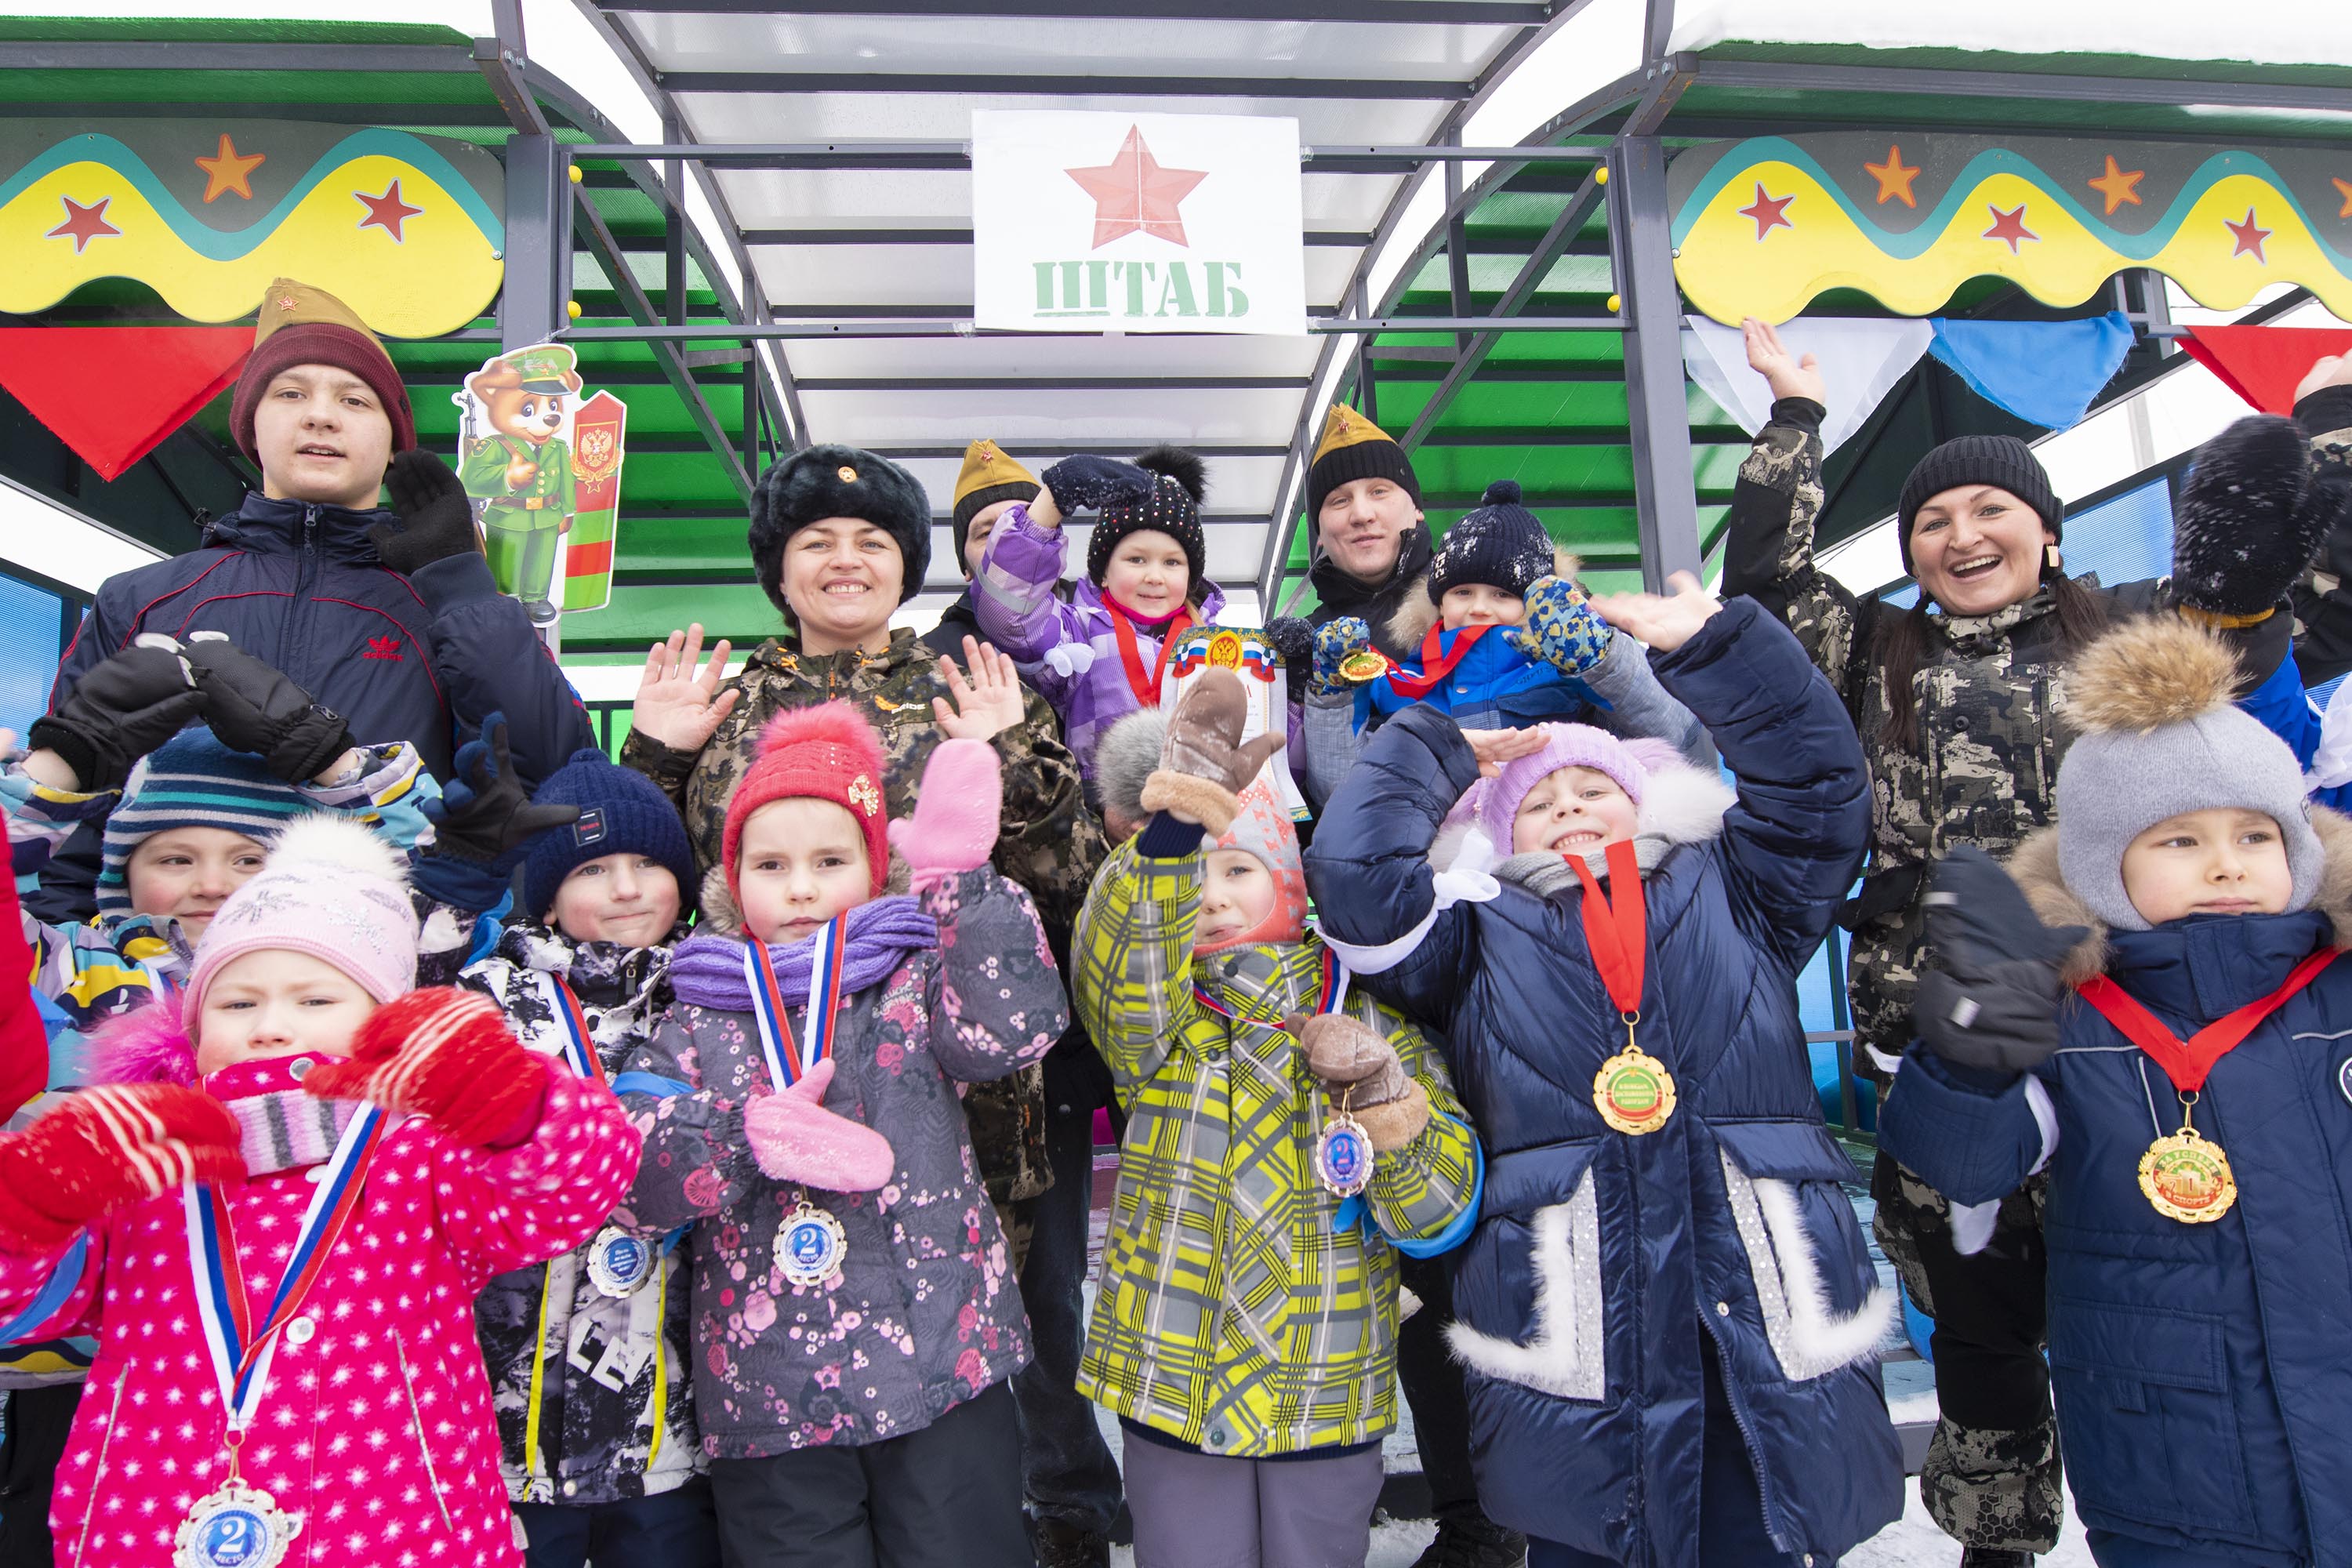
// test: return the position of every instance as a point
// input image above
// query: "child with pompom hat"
(855, 1320)
(275, 1215)
(2146, 1004)
(1246, 1328)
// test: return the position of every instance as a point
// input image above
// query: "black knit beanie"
(2002, 460)
(818, 482)
(1173, 508)
(1501, 544)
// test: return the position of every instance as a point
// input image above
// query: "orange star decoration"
(386, 212)
(226, 170)
(2118, 184)
(1770, 212)
(2343, 189)
(83, 224)
(1133, 195)
(1894, 178)
(2248, 237)
(2009, 227)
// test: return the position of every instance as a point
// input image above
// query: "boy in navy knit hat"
(1553, 660)
(587, 1353)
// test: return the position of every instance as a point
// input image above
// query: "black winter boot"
(1466, 1538)
(1061, 1544)
(1994, 1557)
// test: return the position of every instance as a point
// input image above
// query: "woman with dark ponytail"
(1960, 703)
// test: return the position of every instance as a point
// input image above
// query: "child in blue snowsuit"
(2200, 1256)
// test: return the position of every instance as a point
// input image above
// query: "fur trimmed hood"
(2034, 868)
(722, 916)
(1418, 611)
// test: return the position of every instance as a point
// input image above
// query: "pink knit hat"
(330, 888)
(1627, 763)
(1263, 829)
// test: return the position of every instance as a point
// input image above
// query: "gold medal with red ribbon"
(1633, 1091)
(2185, 1175)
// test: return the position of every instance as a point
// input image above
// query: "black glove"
(484, 815)
(2252, 513)
(436, 519)
(1078, 483)
(1293, 639)
(1991, 1001)
(120, 711)
(255, 707)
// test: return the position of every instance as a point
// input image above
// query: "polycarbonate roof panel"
(1116, 418)
(848, 275)
(1041, 359)
(942, 198)
(786, 113)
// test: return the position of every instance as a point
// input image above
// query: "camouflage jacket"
(1050, 844)
(1989, 693)
(2323, 600)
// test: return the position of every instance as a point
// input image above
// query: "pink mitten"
(796, 1139)
(956, 812)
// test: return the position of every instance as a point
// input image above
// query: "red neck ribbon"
(1145, 687)
(2187, 1062)
(1615, 931)
(1434, 666)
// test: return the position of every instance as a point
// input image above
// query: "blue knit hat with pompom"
(1501, 544)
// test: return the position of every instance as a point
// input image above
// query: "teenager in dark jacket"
(2200, 1273)
(1668, 1308)
(387, 617)
(1960, 701)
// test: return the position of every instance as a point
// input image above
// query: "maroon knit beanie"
(300, 324)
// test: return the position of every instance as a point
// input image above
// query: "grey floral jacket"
(925, 1313)
(615, 1413)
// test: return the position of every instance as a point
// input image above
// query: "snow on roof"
(2269, 32)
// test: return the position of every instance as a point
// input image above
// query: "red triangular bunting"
(112, 393)
(2264, 365)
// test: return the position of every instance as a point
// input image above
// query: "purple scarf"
(708, 969)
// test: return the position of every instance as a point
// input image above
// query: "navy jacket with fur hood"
(1604, 1267)
(2201, 1372)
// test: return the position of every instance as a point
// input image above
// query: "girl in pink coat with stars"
(275, 1217)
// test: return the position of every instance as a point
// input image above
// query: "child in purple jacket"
(1098, 655)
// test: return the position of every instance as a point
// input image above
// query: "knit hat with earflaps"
(825, 752)
(2002, 460)
(1173, 508)
(2160, 737)
(302, 325)
(987, 478)
(1353, 448)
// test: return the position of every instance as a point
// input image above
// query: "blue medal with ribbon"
(617, 1262)
(809, 1243)
(236, 1525)
(1343, 1154)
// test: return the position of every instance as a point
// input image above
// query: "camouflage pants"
(1991, 1474)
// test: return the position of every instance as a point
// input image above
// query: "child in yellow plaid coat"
(1244, 1330)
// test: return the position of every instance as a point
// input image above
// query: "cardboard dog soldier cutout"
(517, 460)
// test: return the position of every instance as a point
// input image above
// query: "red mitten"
(107, 1147)
(957, 813)
(796, 1139)
(444, 1054)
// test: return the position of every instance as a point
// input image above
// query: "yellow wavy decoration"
(439, 274)
(1728, 270)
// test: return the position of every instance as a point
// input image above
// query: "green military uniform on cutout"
(520, 538)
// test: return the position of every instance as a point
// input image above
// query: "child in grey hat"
(2174, 1045)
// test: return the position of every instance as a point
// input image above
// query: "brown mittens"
(1360, 1068)
(1204, 764)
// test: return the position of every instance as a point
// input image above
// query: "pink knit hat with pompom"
(825, 752)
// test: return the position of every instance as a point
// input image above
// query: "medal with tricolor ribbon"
(1342, 1156)
(236, 1525)
(809, 1243)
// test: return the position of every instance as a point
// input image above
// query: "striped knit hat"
(191, 781)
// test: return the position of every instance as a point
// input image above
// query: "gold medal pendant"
(1633, 1091)
(2186, 1177)
(1360, 667)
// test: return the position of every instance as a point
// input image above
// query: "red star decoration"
(2009, 227)
(83, 224)
(386, 212)
(1133, 195)
(2249, 238)
(1768, 210)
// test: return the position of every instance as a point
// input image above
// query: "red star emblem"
(1769, 211)
(2009, 227)
(2248, 237)
(1133, 195)
(83, 224)
(386, 212)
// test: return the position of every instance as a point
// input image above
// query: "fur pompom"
(315, 839)
(147, 1045)
(2154, 671)
(830, 723)
(1191, 475)
(1124, 759)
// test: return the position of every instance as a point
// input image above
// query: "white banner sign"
(1136, 223)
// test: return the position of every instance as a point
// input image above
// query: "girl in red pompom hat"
(275, 1218)
(856, 1318)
